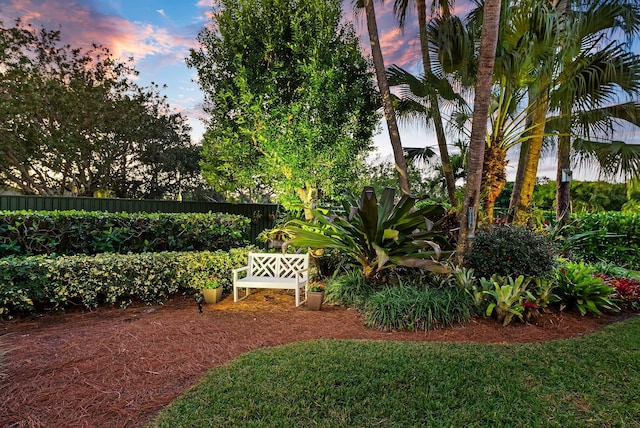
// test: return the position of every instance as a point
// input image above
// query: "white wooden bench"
(266, 270)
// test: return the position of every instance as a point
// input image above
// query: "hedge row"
(83, 232)
(43, 283)
(615, 238)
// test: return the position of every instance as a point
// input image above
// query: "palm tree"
(588, 82)
(524, 44)
(414, 103)
(387, 102)
(488, 42)
(401, 7)
(587, 75)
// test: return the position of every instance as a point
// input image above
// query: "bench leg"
(298, 301)
(235, 293)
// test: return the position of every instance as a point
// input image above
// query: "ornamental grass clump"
(511, 251)
(350, 289)
(411, 307)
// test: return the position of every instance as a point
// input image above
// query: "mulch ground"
(118, 367)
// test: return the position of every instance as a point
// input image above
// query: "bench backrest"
(277, 265)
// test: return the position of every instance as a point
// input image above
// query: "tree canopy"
(72, 121)
(291, 100)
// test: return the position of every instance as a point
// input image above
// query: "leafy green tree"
(291, 100)
(73, 121)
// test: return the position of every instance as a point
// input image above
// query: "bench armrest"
(237, 271)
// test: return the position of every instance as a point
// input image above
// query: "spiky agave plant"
(378, 235)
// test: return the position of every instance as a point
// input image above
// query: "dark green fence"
(261, 215)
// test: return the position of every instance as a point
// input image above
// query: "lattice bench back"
(277, 265)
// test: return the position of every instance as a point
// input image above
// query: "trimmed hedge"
(39, 283)
(617, 240)
(82, 232)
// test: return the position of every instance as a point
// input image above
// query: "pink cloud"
(398, 47)
(81, 26)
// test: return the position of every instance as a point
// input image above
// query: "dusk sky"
(159, 33)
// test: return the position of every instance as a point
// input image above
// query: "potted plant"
(315, 295)
(212, 290)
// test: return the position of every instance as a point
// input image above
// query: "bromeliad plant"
(509, 296)
(577, 286)
(378, 235)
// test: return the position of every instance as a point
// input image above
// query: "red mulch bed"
(118, 367)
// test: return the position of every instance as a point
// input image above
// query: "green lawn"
(592, 381)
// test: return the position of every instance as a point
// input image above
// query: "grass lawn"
(591, 381)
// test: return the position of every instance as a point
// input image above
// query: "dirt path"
(119, 367)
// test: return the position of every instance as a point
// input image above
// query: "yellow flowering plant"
(315, 286)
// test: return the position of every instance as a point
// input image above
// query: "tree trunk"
(522, 201)
(389, 112)
(309, 197)
(488, 42)
(447, 168)
(494, 177)
(563, 189)
(517, 184)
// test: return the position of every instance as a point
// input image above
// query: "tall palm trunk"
(447, 168)
(563, 188)
(517, 183)
(389, 112)
(522, 200)
(488, 42)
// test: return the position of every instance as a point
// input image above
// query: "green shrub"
(81, 232)
(622, 233)
(407, 307)
(36, 283)
(511, 251)
(577, 287)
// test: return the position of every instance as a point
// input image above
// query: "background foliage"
(82, 232)
(73, 121)
(616, 238)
